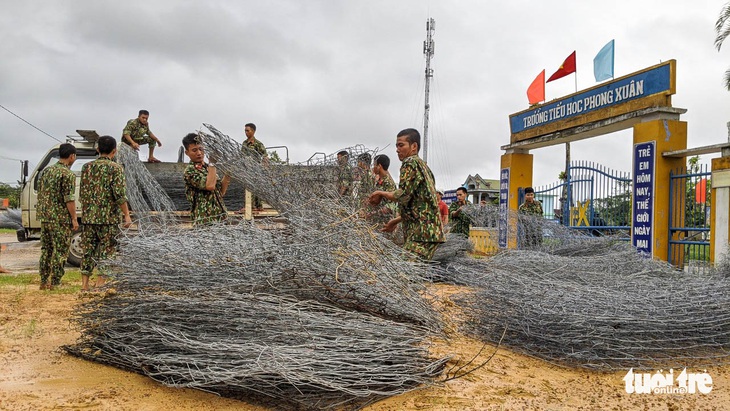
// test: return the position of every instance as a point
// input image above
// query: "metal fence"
(600, 199)
(689, 221)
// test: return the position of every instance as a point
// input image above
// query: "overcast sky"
(320, 75)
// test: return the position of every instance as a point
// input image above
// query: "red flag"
(566, 68)
(536, 91)
(701, 191)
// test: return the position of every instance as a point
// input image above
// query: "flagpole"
(567, 143)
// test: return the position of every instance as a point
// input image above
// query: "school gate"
(641, 101)
(591, 198)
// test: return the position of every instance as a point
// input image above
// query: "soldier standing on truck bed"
(137, 132)
(252, 146)
(57, 213)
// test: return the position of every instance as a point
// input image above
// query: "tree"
(695, 214)
(11, 193)
(615, 210)
(275, 159)
(722, 28)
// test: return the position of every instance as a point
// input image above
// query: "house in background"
(481, 189)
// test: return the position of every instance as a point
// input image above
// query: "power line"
(10, 159)
(28, 123)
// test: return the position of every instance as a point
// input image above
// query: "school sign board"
(651, 87)
(642, 202)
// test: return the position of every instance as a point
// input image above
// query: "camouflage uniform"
(259, 148)
(344, 180)
(205, 206)
(387, 209)
(139, 133)
(530, 219)
(254, 145)
(103, 192)
(461, 223)
(363, 183)
(534, 208)
(385, 184)
(418, 207)
(57, 187)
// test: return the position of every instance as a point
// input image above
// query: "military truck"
(169, 175)
(85, 145)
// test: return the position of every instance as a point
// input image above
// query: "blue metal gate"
(689, 222)
(589, 197)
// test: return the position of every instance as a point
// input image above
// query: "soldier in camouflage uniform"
(252, 145)
(416, 199)
(344, 174)
(460, 222)
(383, 182)
(103, 202)
(363, 183)
(203, 189)
(531, 225)
(137, 132)
(251, 142)
(57, 214)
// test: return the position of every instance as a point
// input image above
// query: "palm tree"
(722, 27)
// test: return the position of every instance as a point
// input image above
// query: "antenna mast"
(428, 49)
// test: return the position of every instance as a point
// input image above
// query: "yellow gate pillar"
(517, 166)
(650, 215)
(720, 209)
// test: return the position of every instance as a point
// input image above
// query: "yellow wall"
(719, 165)
(520, 175)
(485, 240)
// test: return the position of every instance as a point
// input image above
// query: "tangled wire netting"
(316, 309)
(597, 305)
(150, 202)
(312, 309)
(243, 345)
(575, 299)
(535, 233)
(11, 218)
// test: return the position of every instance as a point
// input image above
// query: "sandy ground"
(35, 374)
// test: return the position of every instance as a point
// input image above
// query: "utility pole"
(428, 49)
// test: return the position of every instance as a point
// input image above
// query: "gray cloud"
(321, 75)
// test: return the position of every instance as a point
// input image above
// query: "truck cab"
(85, 144)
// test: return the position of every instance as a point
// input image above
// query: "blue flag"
(603, 63)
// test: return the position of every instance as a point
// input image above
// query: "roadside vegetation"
(70, 283)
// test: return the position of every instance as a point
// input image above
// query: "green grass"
(70, 283)
(31, 328)
(697, 252)
(18, 279)
(7, 231)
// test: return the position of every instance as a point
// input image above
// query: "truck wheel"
(75, 252)
(22, 236)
